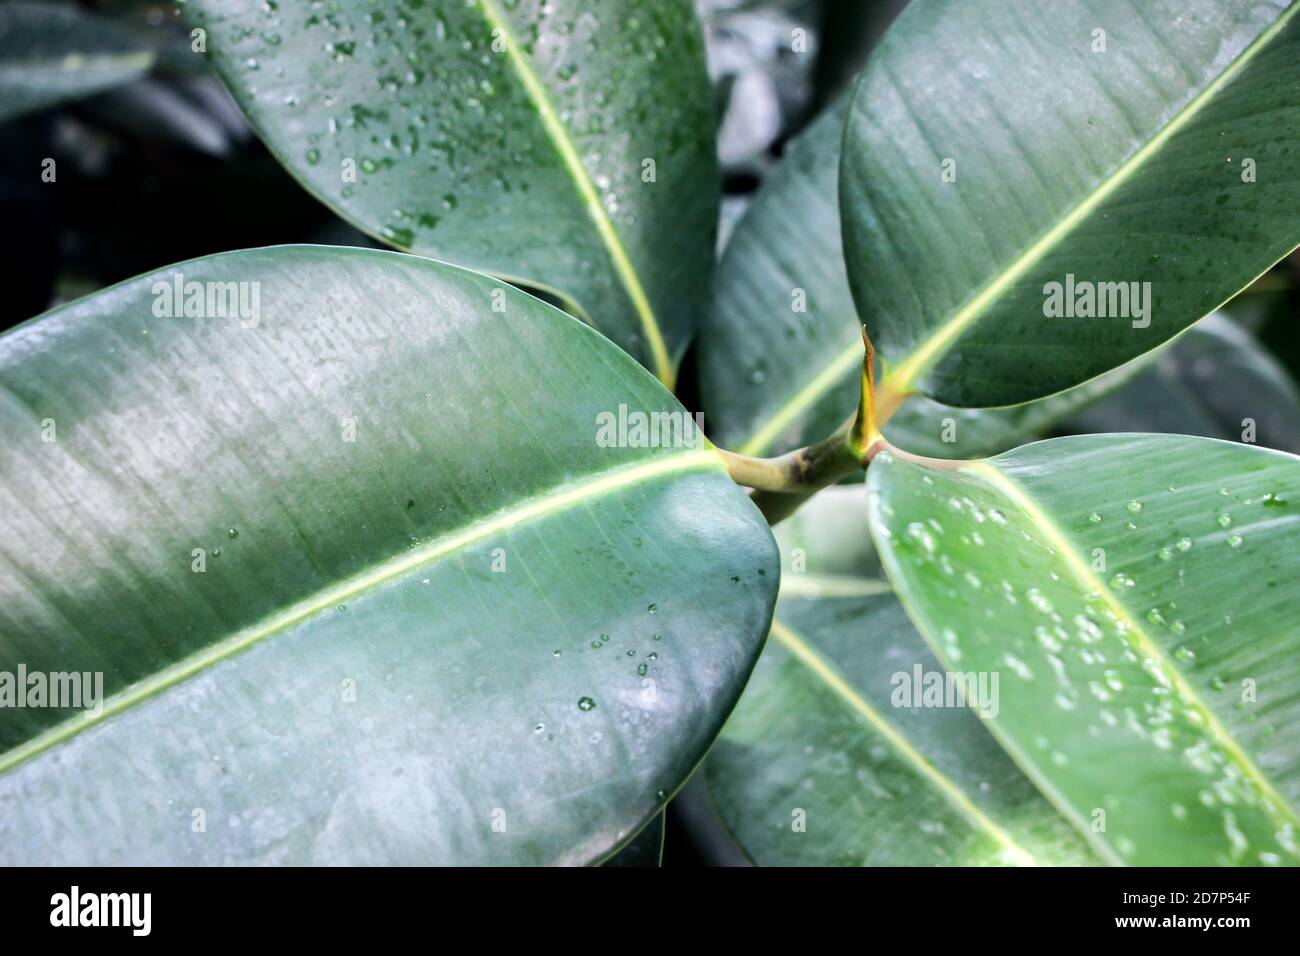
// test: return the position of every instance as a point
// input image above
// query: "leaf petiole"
(784, 483)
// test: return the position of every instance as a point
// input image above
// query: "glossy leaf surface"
(1006, 157)
(363, 583)
(823, 763)
(1136, 595)
(52, 52)
(1215, 381)
(780, 354)
(565, 144)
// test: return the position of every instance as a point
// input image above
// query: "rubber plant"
(368, 580)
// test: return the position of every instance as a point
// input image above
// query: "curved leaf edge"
(704, 459)
(889, 560)
(911, 383)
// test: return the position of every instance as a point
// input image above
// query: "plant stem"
(776, 507)
(804, 469)
(782, 484)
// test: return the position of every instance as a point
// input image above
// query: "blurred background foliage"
(164, 167)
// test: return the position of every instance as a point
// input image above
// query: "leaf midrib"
(534, 507)
(823, 671)
(1274, 804)
(813, 585)
(559, 135)
(902, 377)
(831, 375)
(122, 59)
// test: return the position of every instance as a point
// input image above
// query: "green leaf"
(774, 378)
(1123, 166)
(780, 353)
(817, 740)
(438, 620)
(1136, 595)
(513, 138)
(1216, 381)
(925, 427)
(646, 849)
(50, 53)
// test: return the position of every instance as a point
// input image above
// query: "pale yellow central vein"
(531, 509)
(1274, 804)
(832, 585)
(904, 375)
(805, 398)
(815, 663)
(559, 135)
